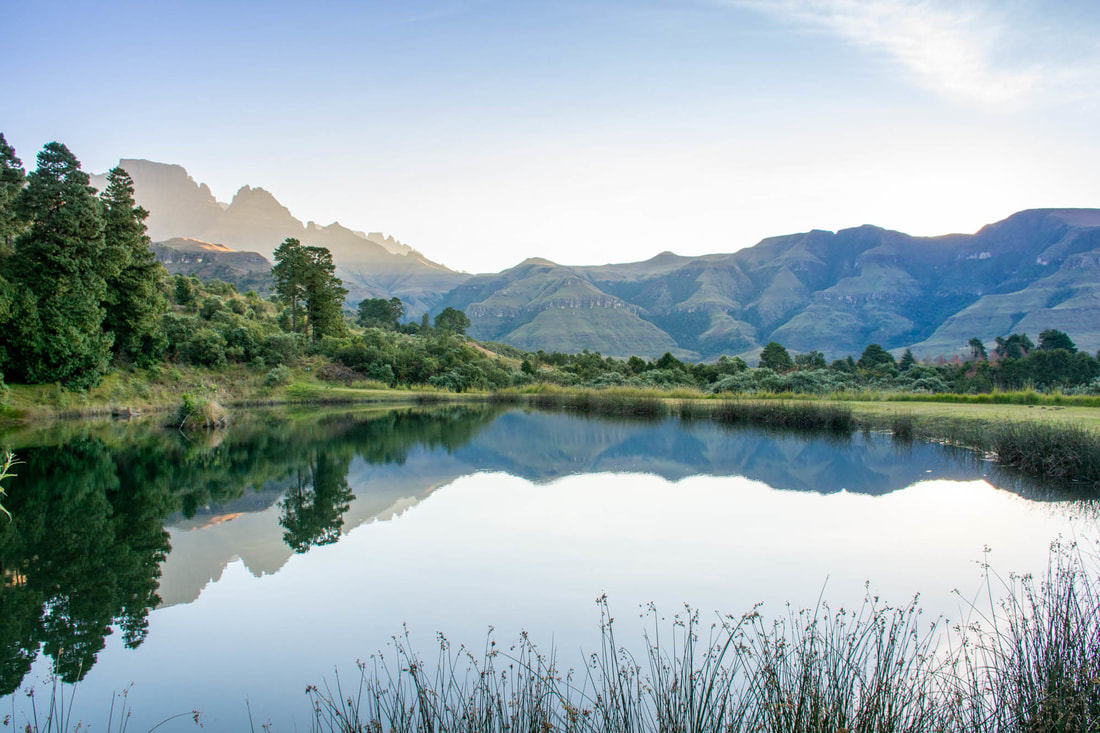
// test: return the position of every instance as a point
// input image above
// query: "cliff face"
(831, 291)
(371, 265)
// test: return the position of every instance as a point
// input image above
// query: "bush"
(206, 347)
(280, 376)
(281, 348)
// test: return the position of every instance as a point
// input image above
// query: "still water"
(224, 574)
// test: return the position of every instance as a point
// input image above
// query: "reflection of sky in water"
(468, 519)
(494, 549)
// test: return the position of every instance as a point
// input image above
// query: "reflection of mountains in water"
(540, 447)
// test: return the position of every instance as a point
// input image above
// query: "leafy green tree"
(289, 274)
(324, 294)
(810, 360)
(907, 361)
(1051, 339)
(62, 264)
(776, 358)
(1016, 346)
(452, 320)
(380, 313)
(134, 303)
(977, 349)
(875, 356)
(305, 279)
(12, 178)
(668, 361)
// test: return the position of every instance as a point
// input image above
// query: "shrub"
(280, 376)
(206, 347)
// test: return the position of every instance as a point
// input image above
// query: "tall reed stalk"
(1030, 665)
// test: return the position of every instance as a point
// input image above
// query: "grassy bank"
(1060, 442)
(1028, 664)
(137, 391)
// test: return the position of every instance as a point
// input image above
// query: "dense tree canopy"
(452, 320)
(305, 280)
(12, 177)
(380, 313)
(775, 357)
(62, 263)
(134, 303)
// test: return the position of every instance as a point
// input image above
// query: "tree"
(291, 262)
(134, 303)
(875, 356)
(305, 279)
(452, 320)
(324, 294)
(62, 265)
(810, 360)
(12, 178)
(380, 313)
(907, 361)
(776, 358)
(1051, 339)
(1016, 346)
(977, 349)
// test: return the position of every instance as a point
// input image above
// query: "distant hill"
(831, 291)
(207, 260)
(371, 265)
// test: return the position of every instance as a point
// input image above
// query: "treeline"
(1015, 363)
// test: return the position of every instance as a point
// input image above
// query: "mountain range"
(834, 292)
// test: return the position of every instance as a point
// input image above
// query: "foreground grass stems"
(1031, 665)
(6, 472)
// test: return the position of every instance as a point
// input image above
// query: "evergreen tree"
(875, 356)
(12, 178)
(291, 263)
(775, 357)
(907, 361)
(453, 320)
(134, 301)
(1051, 339)
(61, 264)
(325, 294)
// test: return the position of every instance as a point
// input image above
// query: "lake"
(224, 573)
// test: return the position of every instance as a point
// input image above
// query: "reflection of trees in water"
(83, 551)
(313, 508)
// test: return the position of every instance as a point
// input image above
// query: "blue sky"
(485, 132)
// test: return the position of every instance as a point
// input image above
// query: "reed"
(799, 415)
(1058, 451)
(1032, 665)
(1029, 663)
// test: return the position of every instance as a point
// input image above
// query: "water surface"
(248, 564)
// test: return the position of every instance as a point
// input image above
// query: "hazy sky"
(484, 132)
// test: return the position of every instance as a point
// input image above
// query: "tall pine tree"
(134, 303)
(289, 272)
(62, 264)
(325, 295)
(12, 177)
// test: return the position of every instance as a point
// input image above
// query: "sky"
(483, 132)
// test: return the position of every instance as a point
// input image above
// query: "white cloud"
(974, 51)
